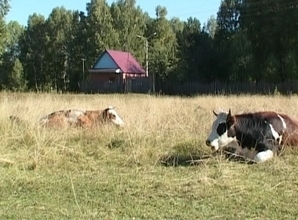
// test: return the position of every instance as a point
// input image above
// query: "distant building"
(111, 72)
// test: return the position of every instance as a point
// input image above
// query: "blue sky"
(200, 9)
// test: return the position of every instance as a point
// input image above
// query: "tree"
(195, 53)
(16, 81)
(101, 34)
(78, 50)
(4, 8)
(188, 41)
(264, 22)
(59, 29)
(11, 66)
(163, 46)
(241, 55)
(228, 25)
(177, 25)
(32, 46)
(211, 26)
(129, 22)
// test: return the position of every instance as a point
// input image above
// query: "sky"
(200, 9)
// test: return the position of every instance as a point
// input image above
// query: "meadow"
(156, 167)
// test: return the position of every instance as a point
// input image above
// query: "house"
(112, 71)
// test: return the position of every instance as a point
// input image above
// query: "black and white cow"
(257, 136)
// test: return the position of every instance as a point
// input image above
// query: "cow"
(79, 118)
(256, 136)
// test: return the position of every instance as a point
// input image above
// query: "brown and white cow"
(81, 118)
(256, 136)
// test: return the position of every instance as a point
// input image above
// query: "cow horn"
(229, 114)
(214, 113)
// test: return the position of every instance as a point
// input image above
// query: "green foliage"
(265, 22)
(16, 81)
(101, 34)
(246, 42)
(58, 49)
(211, 26)
(11, 67)
(241, 54)
(4, 8)
(195, 52)
(163, 46)
(33, 46)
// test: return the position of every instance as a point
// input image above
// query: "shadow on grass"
(184, 155)
(183, 160)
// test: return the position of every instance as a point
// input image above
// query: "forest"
(247, 41)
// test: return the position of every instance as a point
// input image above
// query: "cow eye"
(112, 116)
(222, 127)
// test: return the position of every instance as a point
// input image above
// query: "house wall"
(106, 77)
(110, 82)
(105, 62)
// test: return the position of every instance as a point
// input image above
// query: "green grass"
(156, 167)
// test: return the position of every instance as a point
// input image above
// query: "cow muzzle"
(209, 144)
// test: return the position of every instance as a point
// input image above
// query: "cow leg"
(265, 152)
(263, 156)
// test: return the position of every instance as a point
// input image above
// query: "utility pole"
(147, 58)
(83, 60)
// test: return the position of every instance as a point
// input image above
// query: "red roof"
(126, 62)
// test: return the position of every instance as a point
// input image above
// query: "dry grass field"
(150, 169)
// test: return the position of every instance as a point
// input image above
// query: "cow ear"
(104, 113)
(215, 113)
(230, 119)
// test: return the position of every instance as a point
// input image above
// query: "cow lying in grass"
(79, 118)
(256, 136)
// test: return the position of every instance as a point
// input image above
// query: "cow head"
(111, 115)
(218, 136)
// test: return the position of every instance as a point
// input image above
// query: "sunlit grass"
(156, 167)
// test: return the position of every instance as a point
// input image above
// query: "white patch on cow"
(115, 117)
(74, 114)
(217, 141)
(276, 136)
(263, 156)
(282, 121)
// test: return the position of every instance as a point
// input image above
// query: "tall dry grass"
(154, 126)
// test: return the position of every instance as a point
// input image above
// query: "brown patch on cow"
(57, 119)
(91, 118)
(290, 136)
(290, 133)
(94, 118)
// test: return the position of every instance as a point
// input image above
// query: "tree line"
(247, 41)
